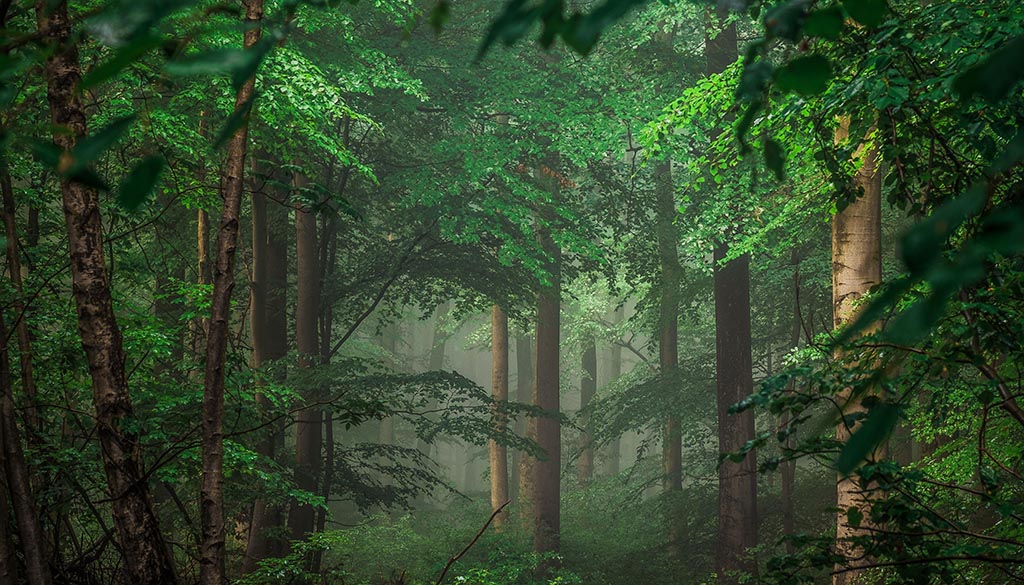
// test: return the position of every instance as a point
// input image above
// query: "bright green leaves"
(869, 13)
(806, 76)
(996, 76)
(90, 148)
(122, 59)
(140, 182)
(881, 420)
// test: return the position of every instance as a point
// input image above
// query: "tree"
(499, 391)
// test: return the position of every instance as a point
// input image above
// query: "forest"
(529, 292)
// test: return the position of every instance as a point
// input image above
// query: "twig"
(452, 560)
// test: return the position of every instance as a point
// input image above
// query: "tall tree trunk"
(147, 558)
(614, 371)
(14, 269)
(266, 516)
(737, 482)
(788, 468)
(211, 494)
(520, 462)
(546, 429)
(588, 388)
(668, 342)
(856, 267)
(389, 341)
(33, 542)
(499, 417)
(8, 562)
(309, 420)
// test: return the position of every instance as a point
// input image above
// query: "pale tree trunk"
(737, 482)
(211, 493)
(588, 388)
(668, 342)
(546, 429)
(521, 475)
(614, 371)
(499, 418)
(309, 420)
(34, 545)
(147, 558)
(856, 267)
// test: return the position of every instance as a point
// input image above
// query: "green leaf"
(239, 63)
(139, 183)
(775, 158)
(826, 23)
(806, 75)
(234, 122)
(996, 76)
(870, 13)
(92, 147)
(786, 20)
(854, 516)
(753, 80)
(869, 435)
(122, 58)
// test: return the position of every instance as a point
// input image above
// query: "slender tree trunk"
(856, 267)
(211, 505)
(266, 516)
(547, 430)
(14, 268)
(520, 462)
(8, 562)
(146, 555)
(499, 417)
(614, 371)
(788, 468)
(389, 341)
(588, 388)
(668, 342)
(737, 482)
(309, 421)
(33, 542)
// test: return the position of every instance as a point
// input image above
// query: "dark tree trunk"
(147, 558)
(309, 420)
(614, 371)
(588, 388)
(34, 545)
(520, 462)
(737, 482)
(547, 430)
(211, 505)
(8, 562)
(499, 419)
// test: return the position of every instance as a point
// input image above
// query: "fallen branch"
(452, 560)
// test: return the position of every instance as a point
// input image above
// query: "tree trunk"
(33, 542)
(614, 371)
(521, 474)
(266, 516)
(309, 420)
(147, 558)
(8, 562)
(588, 388)
(499, 417)
(14, 269)
(856, 267)
(211, 505)
(788, 468)
(668, 354)
(547, 430)
(737, 482)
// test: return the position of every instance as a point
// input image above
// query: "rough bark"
(211, 493)
(309, 420)
(147, 558)
(34, 545)
(737, 482)
(588, 388)
(499, 419)
(856, 267)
